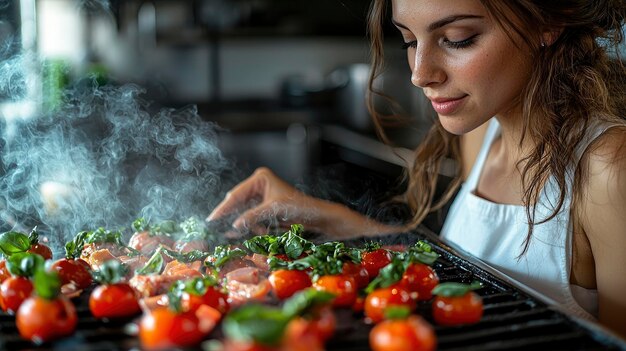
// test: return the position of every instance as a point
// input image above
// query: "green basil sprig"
(452, 289)
(47, 284)
(24, 264)
(155, 263)
(13, 242)
(110, 272)
(266, 325)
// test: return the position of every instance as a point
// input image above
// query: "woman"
(544, 200)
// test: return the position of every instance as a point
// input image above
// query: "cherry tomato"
(420, 278)
(41, 320)
(373, 261)
(13, 292)
(113, 300)
(342, 286)
(358, 272)
(378, 300)
(359, 304)
(412, 333)
(42, 250)
(285, 282)
(213, 297)
(238, 345)
(163, 329)
(4, 271)
(457, 310)
(76, 271)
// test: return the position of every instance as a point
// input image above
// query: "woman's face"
(466, 64)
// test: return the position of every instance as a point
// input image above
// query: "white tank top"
(495, 234)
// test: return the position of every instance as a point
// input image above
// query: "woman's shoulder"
(607, 154)
(604, 171)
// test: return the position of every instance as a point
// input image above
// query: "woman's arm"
(264, 198)
(603, 216)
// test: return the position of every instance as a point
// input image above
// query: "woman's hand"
(267, 200)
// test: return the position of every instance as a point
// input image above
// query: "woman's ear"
(550, 36)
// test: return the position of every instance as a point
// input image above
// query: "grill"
(513, 320)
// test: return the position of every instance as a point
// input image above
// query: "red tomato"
(163, 329)
(4, 271)
(237, 345)
(41, 320)
(420, 278)
(358, 272)
(413, 333)
(76, 271)
(323, 326)
(342, 286)
(359, 304)
(213, 297)
(286, 283)
(13, 292)
(114, 300)
(457, 310)
(378, 300)
(375, 260)
(42, 250)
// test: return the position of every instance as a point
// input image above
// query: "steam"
(103, 157)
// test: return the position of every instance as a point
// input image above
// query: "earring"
(543, 44)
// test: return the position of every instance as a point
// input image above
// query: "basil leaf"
(223, 254)
(47, 284)
(191, 256)
(110, 272)
(166, 228)
(74, 248)
(397, 312)
(140, 225)
(262, 244)
(13, 242)
(253, 322)
(452, 289)
(24, 264)
(33, 237)
(304, 300)
(389, 274)
(154, 264)
(101, 235)
(422, 252)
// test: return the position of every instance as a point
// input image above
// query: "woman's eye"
(461, 44)
(409, 44)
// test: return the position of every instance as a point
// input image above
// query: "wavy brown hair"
(574, 80)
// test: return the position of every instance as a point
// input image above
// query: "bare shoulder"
(606, 162)
(604, 182)
(602, 214)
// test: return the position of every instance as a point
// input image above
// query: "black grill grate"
(512, 320)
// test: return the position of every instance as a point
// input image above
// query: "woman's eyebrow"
(440, 23)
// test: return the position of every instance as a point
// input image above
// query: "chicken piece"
(114, 249)
(188, 246)
(98, 257)
(245, 284)
(147, 244)
(176, 268)
(152, 285)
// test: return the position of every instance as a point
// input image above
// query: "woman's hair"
(573, 81)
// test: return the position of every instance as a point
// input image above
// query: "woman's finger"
(239, 196)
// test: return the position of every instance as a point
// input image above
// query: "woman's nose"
(426, 70)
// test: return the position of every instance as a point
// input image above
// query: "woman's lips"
(446, 106)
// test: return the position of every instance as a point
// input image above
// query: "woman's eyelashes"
(409, 44)
(460, 44)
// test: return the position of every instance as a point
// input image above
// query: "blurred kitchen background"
(285, 79)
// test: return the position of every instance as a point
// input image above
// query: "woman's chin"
(459, 125)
